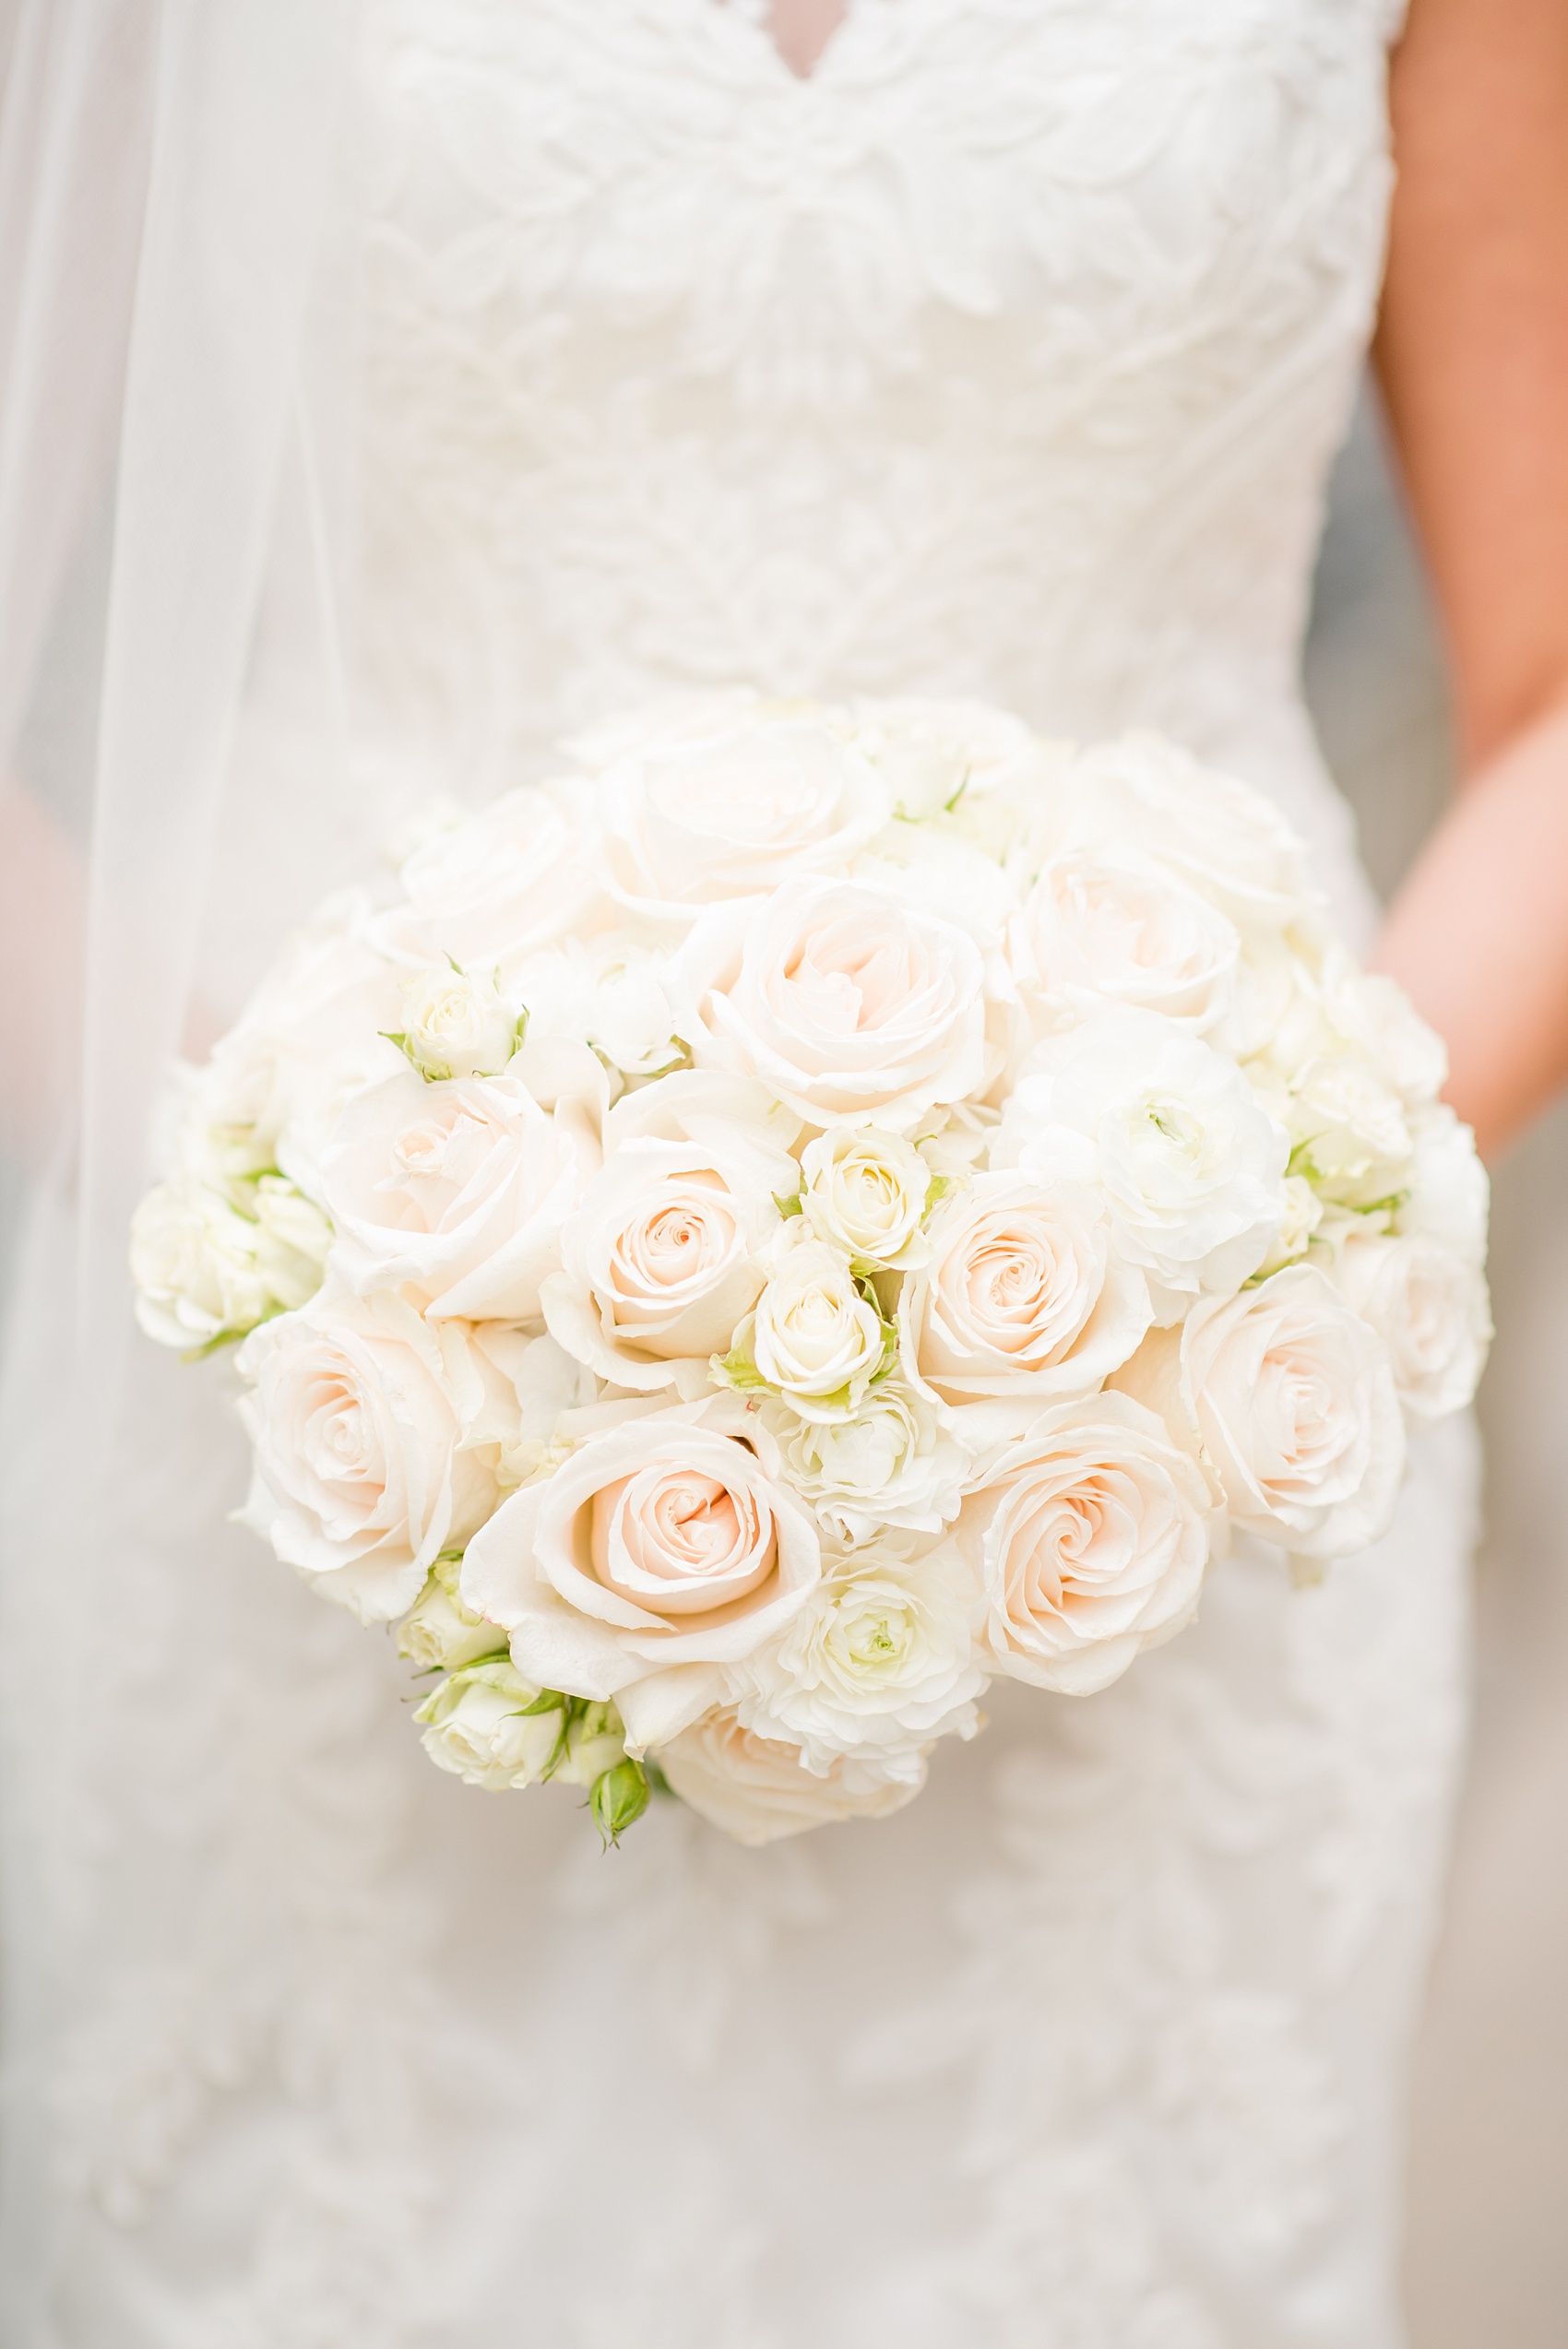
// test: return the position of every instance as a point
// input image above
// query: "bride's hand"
(1473, 355)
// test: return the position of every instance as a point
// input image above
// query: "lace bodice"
(1005, 355)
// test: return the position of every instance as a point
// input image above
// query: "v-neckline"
(754, 23)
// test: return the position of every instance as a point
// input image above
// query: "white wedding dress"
(1005, 356)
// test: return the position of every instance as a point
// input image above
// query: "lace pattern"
(1003, 356)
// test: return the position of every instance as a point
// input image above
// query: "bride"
(389, 389)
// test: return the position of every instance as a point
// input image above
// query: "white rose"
(881, 1660)
(455, 1024)
(660, 1263)
(628, 1015)
(925, 762)
(358, 1420)
(1430, 1307)
(1024, 1294)
(1291, 1396)
(1373, 1013)
(852, 1008)
(478, 1725)
(1449, 1195)
(813, 1336)
(932, 869)
(310, 1034)
(459, 1191)
(1090, 1528)
(489, 1726)
(1096, 931)
(865, 1191)
(894, 1463)
(934, 754)
(606, 995)
(757, 1789)
(730, 815)
(1190, 1165)
(657, 1552)
(439, 1634)
(705, 1107)
(532, 1393)
(497, 887)
(193, 1263)
(1145, 794)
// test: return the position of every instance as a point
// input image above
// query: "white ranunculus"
(661, 1551)
(1291, 1397)
(1430, 1307)
(1090, 1528)
(758, 1789)
(1449, 1195)
(1347, 1129)
(478, 1725)
(864, 1192)
(1190, 1165)
(1098, 930)
(358, 1420)
(1023, 1295)
(495, 889)
(193, 1263)
(458, 1024)
(880, 1660)
(457, 1192)
(731, 814)
(848, 1005)
(813, 1337)
(1145, 795)
(894, 1463)
(439, 1634)
(661, 1260)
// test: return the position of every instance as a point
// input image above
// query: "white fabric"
(527, 356)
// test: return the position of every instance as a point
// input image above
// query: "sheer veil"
(165, 171)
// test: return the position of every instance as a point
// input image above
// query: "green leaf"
(1389, 1207)
(547, 1700)
(789, 1202)
(738, 1370)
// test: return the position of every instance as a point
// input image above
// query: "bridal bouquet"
(817, 1210)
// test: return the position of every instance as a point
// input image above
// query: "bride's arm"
(1473, 355)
